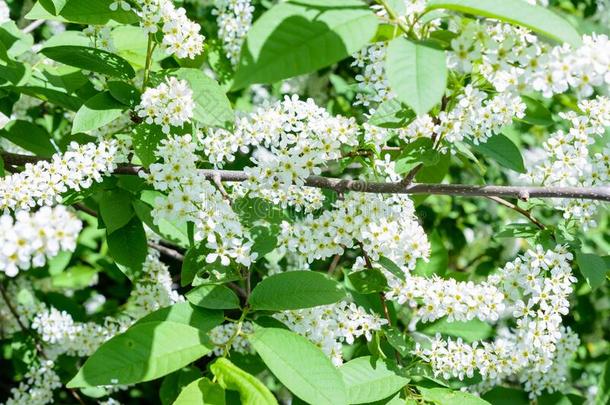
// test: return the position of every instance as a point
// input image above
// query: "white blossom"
(170, 104)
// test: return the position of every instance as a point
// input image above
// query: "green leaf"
(506, 396)
(251, 390)
(300, 365)
(417, 73)
(201, 392)
(536, 18)
(213, 297)
(392, 267)
(116, 209)
(536, 113)
(95, 12)
(368, 281)
(146, 138)
(445, 396)
(92, 59)
(265, 239)
(439, 257)
(30, 137)
(128, 245)
(173, 383)
(391, 114)
(212, 107)
(593, 267)
(144, 352)
(501, 149)
(295, 290)
(60, 98)
(294, 38)
(75, 278)
(518, 230)
(398, 340)
(369, 381)
(187, 314)
(470, 331)
(124, 93)
(255, 209)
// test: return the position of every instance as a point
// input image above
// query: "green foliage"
(369, 380)
(144, 352)
(201, 392)
(300, 366)
(92, 59)
(213, 297)
(299, 37)
(251, 391)
(294, 290)
(536, 18)
(98, 111)
(417, 73)
(593, 267)
(501, 149)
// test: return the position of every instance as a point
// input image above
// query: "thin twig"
(334, 263)
(518, 209)
(32, 26)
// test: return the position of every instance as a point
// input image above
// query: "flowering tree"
(304, 201)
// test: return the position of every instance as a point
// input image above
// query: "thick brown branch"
(342, 185)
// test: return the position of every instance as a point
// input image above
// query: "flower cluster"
(329, 326)
(511, 58)
(31, 238)
(372, 82)
(192, 198)
(536, 287)
(383, 226)
(568, 160)
(169, 104)
(180, 35)
(43, 183)
(475, 117)
(37, 386)
(292, 138)
(100, 37)
(434, 298)
(233, 334)
(234, 18)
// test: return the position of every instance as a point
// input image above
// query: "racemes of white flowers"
(475, 117)
(37, 385)
(233, 334)
(190, 197)
(535, 287)
(291, 140)
(170, 104)
(31, 238)
(331, 326)
(384, 226)
(234, 18)
(570, 160)
(181, 36)
(60, 334)
(44, 182)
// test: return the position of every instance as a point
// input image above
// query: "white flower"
(170, 104)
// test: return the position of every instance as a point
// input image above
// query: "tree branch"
(342, 185)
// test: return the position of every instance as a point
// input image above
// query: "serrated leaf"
(593, 267)
(294, 38)
(212, 107)
(369, 381)
(92, 59)
(295, 290)
(392, 267)
(368, 281)
(417, 73)
(536, 113)
(201, 392)
(213, 297)
(300, 365)
(144, 352)
(391, 114)
(251, 390)
(501, 149)
(536, 18)
(124, 93)
(146, 138)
